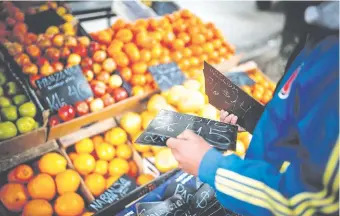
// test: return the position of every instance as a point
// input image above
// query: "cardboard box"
(76, 124)
(31, 158)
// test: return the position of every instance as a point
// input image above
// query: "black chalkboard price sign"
(64, 88)
(167, 75)
(170, 124)
(240, 78)
(224, 94)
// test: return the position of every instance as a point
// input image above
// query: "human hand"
(230, 119)
(189, 150)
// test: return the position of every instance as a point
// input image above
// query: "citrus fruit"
(131, 122)
(11, 177)
(144, 179)
(70, 204)
(95, 183)
(146, 119)
(72, 156)
(97, 140)
(84, 163)
(240, 148)
(124, 152)
(67, 181)
(52, 163)
(105, 151)
(23, 173)
(133, 169)
(42, 186)
(88, 214)
(37, 207)
(111, 180)
(156, 103)
(84, 146)
(156, 149)
(147, 154)
(165, 161)
(118, 167)
(13, 196)
(116, 136)
(101, 167)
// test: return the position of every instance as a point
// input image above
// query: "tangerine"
(138, 79)
(118, 166)
(37, 207)
(139, 68)
(176, 56)
(131, 122)
(144, 179)
(147, 154)
(184, 37)
(124, 35)
(52, 163)
(137, 90)
(124, 152)
(178, 44)
(42, 186)
(186, 52)
(133, 169)
(13, 196)
(84, 163)
(23, 173)
(156, 52)
(121, 59)
(145, 55)
(198, 39)
(95, 183)
(67, 181)
(116, 136)
(208, 47)
(84, 146)
(101, 167)
(72, 156)
(111, 180)
(126, 73)
(97, 140)
(105, 151)
(141, 148)
(70, 204)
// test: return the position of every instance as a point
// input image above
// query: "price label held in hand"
(64, 88)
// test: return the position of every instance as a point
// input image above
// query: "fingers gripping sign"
(230, 119)
(189, 150)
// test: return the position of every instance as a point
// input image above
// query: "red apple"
(46, 69)
(86, 62)
(58, 66)
(33, 51)
(115, 81)
(96, 105)
(99, 56)
(41, 61)
(34, 78)
(93, 47)
(30, 69)
(52, 53)
(80, 50)
(119, 94)
(99, 88)
(81, 108)
(58, 40)
(84, 40)
(54, 120)
(70, 41)
(88, 100)
(67, 113)
(109, 65)
(96, 68)
(74, 59)
(65, 52)
(88, 73)
(108, 100)
(103, 76)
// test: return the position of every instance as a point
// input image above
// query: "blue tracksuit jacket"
(299, 125)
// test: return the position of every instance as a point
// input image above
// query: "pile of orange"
(180, 37)
(103, 159)
(51, 189)
(263, 88)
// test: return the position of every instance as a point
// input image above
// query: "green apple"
(19, 99)
(12, 88)
(9, 113)
(5, 102)
(1, 91)
(3, 77)
(28, 109)
(7, 130)
(25, 124)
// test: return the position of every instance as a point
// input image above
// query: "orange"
(67, 181)
(138, 79)
(144, 179)
(147, 154)
(96, 183)
(257, 95)
(258, 88)
(222, 51)
(88, 214)
(133, 169)
(153, 62)
(176, 56)
(116, 136)
(84, 163)
(121, 59)
(141, 148)
(13, 196)
(105, 151)
(196, 50)
(72, 156)
(194, 61)
(165, 59)
(266, 98)
(186, 52)
(203, 57)
(137, 90)
(11, 177)
(213, 55)
(119, 24)
(124, 35)
(101, 167)
(184, 37)
(197, 39)
(208, 47)
(146, 119)
(208, 34)
(70, 204)
(115, 47)
(156, 52)
(23, 173)
(217, 43)
(165, 161)
(84, 146)
(118, 166)
(265, 84)
(178, 44)
(193, 30)
(42, 186)
(37, 207)
(139, 68)
(169, 37)
(124, 152)
(111, 180)
(184, 63)
(240, 148)
(145, 55)
(156, 149)
(131, 122)
(126, 73)
(97, 139)
(132, 51)
(52, 163)
(246, 89)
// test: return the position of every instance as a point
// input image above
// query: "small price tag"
(64, 88)
(167, 75)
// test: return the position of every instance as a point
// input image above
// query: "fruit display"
(45, 187)
(180, 37)
(18, 115)
(102, 159)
